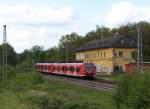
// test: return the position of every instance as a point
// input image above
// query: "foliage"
(133, 92)
(99, 33)
(52, 55)
(11, 55)
(30, 91)
(69, 42)
(10, 72)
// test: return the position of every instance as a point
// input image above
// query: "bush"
(24, 81)
(133, 92)
(10, 72)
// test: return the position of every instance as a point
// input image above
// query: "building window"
(114, 53)
(87, 55)
(101, 55)
(120, 53)
(89, 45)
(132, 42)
(92, 55)
(122, 42)
(94, 44)
(133, 54)
(104, 54)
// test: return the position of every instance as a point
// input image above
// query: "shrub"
(10, 72)
(24, 81)
(133, 92)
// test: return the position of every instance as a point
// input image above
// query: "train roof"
(62, 63)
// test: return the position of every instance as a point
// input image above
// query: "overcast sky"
(43, 22)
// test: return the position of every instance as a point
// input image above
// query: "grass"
(31, 91)
(116, 77)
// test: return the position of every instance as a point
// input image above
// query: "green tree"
(37, 53)
(11, 55)
(70, 42)
(52, 55)
(133, 92)
(130, 29)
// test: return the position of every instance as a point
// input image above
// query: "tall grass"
(31, 91)
(134, 92)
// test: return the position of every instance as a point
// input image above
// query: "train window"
(45, 67)
(54, 68)
(89, 67)
(78, 69)
(71, 69)
(58, 68)
(65, 68)
(49, 67)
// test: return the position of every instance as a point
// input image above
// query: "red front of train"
(72, 69)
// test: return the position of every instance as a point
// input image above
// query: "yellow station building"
(110, 54)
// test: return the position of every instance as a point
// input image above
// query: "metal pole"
(66, 52)
(33, 64)
(83, 54)
(138, 53)
(4, 72)
(19, 59)
(4, 54)
(141, 51)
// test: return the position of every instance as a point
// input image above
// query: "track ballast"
(82, 82)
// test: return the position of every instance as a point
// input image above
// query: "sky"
(44, 22)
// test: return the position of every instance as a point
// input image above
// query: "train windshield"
(89, 67)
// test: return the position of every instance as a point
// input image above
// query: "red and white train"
(72, 69)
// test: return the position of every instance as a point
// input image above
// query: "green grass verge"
(31, 91)
(116, 78)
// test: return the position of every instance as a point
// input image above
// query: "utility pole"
(33, 64)
(84, 57)
(66, 52)
(4, 54)
(140, 50)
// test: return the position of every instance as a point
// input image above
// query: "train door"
(54, 68)
(71, 70)
(58, 68)
(79, 70)
(49, 68)
(63, 68)
(40, 67)
(45, 68)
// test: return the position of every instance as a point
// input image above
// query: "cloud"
(124, 12)
(28, 26)
(25, 38)
(31, 16)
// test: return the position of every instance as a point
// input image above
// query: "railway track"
(82, 82)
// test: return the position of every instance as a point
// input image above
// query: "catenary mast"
(4, 54)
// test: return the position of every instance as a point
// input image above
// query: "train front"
(90, 70)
